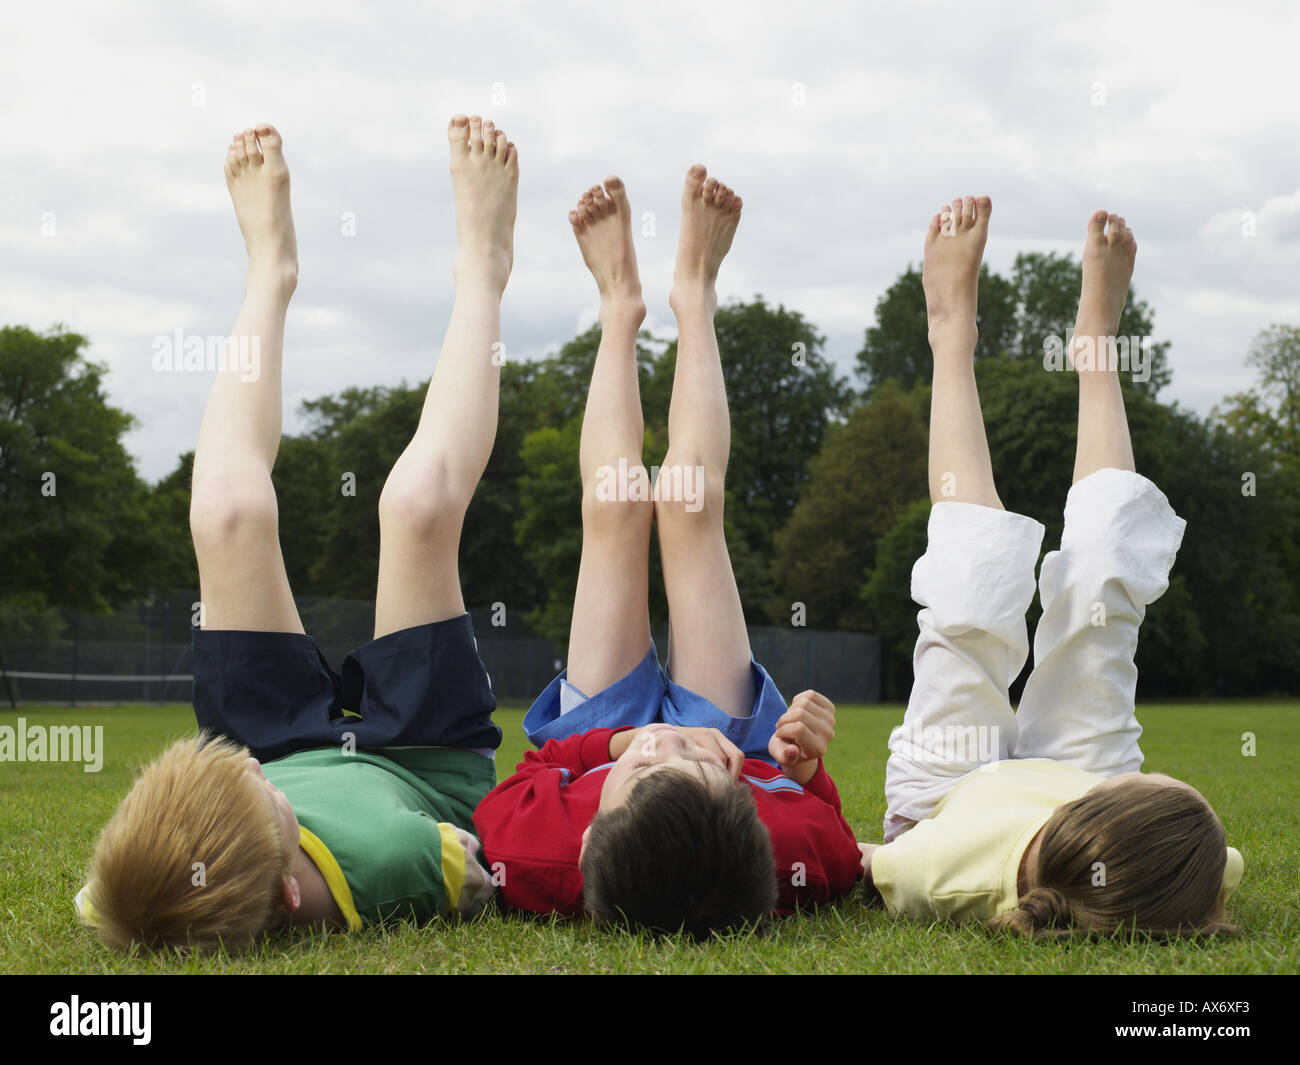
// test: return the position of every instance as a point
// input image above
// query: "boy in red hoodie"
(691, 798)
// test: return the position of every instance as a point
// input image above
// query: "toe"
(932, 230)
(503, 143)
(241, 152)
(268, 138)
(489, 138)
(614, 189)
(1112, 222)
(983, 208)
(458, 134)
(512, 155)
(232, 162)
(575, 220)
(695, 177)
(250, 147)
(968, 212)
(475, 134)
(1097, 223)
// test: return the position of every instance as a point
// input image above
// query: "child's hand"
(710, 739)
(706, 739)
(479, 886)
(802, 735)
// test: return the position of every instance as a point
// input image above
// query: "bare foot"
(485, 179)
(258, 179)
(710, 214)
(602, 222)
(1109, 251)
(954, 246)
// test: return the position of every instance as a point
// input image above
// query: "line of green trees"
(827, 491)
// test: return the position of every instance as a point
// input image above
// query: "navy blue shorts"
(274, 692)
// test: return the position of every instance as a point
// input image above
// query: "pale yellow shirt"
(962, 861)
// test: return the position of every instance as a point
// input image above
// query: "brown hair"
(194, 804)
(680, 856)
(1139, 856)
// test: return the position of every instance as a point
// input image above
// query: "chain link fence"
(141, 654)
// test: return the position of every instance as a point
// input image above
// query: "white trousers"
(974, 583)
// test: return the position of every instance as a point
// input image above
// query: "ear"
(586, 835)
(291, 894)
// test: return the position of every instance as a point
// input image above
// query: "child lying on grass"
(692, 798)
(1060, 832)
(327, 800)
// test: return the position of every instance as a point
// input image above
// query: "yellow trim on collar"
(334, 878)
(453, 863)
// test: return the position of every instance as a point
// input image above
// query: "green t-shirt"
(378, 824)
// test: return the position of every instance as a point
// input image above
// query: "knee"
(617, 497)
(424, 507)
(230, 508)
(688, 497)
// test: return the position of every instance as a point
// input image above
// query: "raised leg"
(423, 504)
(1109, 252)
(960, 468)
(976, 578)
(610, 631)
(1118, 546)
(708, 650)
(233, 515)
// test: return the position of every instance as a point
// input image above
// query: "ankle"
(622, 309)
(949, 333)
(692, 296)
(273, 277)
(482, 270)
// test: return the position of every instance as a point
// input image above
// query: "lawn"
(50, 814)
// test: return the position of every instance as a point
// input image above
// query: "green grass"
(50, 815)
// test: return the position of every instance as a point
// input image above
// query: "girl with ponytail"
(1039, 822)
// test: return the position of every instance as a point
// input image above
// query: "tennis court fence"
(142, 654)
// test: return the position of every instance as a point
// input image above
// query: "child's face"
(280, 806)
(661, 747)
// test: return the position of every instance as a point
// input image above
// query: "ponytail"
(1043, 912)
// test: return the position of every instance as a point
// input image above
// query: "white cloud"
(902, 108)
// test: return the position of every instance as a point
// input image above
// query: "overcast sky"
(843, 125)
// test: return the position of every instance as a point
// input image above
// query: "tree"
(888, 593)
(897, 347)
(1018, 318)
(75, 526)
(869, 469)
(1047, 287)
(783, 396)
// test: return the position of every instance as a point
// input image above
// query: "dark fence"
(142, 655)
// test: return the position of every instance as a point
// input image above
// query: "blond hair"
(1139, 856)
(194, 857)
